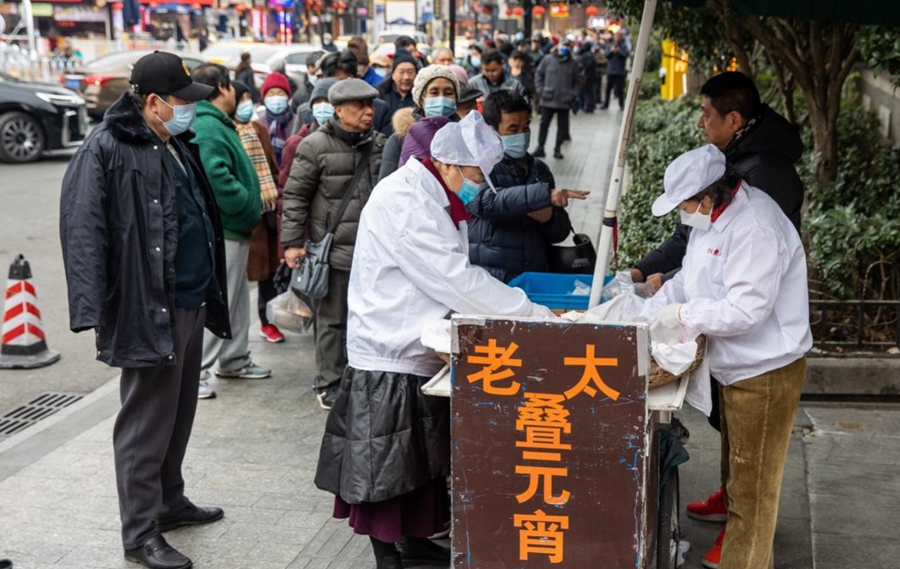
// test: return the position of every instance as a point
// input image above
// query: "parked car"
(37, 118)
(102, 81)
(291, 60)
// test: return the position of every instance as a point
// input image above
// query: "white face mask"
(697, 220)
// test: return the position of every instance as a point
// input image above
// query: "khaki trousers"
(757, 419)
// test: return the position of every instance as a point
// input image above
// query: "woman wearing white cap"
(743, 285)
(386, 449)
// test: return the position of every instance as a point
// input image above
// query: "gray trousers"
(233, 354)
(331, 330)
(152, 432)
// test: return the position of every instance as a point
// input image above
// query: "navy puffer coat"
(502, 238)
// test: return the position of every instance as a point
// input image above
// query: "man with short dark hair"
(236, 187)
(762, 147)
(301, 95)
(617, 54)
(145, 267)
(408, 45)
(493, 76)
(513, 227)
(557, 82)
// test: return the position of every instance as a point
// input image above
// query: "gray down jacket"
(325, 163)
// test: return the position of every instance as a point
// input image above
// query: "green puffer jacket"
(230, 171)
(325, 163)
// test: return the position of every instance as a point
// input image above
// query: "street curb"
(37, 441)
(873, 376)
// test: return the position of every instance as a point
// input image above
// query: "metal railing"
(857, 324)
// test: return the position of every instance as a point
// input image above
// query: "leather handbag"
(576, 259)
(311, 279)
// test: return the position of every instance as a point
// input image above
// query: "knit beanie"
(404, 56)
(320, 91)
(429, 74)
(276, 80)
(461, 75)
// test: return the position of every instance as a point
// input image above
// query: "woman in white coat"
(743, 284)
(386, 450)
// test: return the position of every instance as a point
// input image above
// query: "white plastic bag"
(288, 312)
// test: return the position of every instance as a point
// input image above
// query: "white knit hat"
(469, 142)
(430, 73)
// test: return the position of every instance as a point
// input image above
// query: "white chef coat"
(411, 268)
(743, 284)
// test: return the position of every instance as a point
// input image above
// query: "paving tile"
(106, 557)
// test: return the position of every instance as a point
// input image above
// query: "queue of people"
(188, 191)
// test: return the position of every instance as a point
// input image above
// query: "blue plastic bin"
(554, 290)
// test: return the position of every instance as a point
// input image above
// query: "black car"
(37, 118)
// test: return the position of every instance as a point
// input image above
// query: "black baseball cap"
(165, 73)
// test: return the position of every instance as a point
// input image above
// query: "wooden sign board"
(549, 435)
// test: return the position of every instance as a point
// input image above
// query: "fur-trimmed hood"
(402, 121)
(125, 122)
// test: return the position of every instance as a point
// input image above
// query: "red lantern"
(518, 11)
(538, 11)
(509, 12)
(592, 10)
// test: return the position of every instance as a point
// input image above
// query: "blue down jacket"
(502, 238)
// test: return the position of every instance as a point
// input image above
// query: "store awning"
(875, 12)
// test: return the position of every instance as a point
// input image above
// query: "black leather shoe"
(422, 551)
(558, 155)
(539, 153)
(389, 562)
(158, 554)
(190, 516)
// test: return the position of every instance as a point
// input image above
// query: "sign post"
(550, 438)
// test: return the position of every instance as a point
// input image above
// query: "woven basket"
(659, 377)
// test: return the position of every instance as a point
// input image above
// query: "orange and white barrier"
(24, 343)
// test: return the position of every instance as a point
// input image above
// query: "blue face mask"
(380, 71)
(439, 107)
(516, 145)
(312, 79)
(476, 61)
(520, 36)
(468, 190)
(564, 51)
(182, 119)
(244, 111)
(277, 104)
(322, 112)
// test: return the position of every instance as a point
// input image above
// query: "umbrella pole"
(615, 184)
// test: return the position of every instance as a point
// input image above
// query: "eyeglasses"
(406, 72)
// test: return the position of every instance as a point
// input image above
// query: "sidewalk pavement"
(254, 451)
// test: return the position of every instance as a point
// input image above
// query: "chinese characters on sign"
(531, 408)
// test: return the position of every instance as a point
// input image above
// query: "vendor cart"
(556, 446)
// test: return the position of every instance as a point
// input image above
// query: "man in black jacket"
(513, 227)
(761, 145)
(145, 267)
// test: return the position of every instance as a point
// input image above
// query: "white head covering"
(688, 175)
(469, 142)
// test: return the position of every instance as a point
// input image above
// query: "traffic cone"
(24, 345)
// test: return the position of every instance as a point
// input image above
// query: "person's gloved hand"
(668, 317)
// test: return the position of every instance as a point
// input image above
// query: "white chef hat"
(469, 142)
(688, 175)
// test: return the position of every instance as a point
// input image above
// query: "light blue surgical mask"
(468, 190)
(182, 119)
(312, 79)
(476, 61)
(516, 145)
(244, 111)
(440, 107)
(322, 112)
(380, 71)
(277, 104)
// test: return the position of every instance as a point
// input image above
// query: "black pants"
(152, 432)
(562, 126)
(331, 330)
(266, 291)
(616, 82)
(715, 419)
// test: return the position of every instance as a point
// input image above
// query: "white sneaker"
(206, 391)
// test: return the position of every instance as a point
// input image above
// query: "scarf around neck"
(279, 129)
(458, 211)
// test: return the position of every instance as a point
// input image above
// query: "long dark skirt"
(421, 513)
(386, 454)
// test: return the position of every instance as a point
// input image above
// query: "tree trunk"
(825, 144)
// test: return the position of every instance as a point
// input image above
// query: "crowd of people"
(422, 183)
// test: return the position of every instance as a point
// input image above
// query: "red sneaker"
(710, 510)
(714, 555)
(271, 334)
